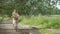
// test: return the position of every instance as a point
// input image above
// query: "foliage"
(29, 7)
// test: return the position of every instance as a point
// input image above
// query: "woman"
(15, 16)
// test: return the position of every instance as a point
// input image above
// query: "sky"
(58, 6)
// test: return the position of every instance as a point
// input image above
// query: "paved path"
(10, 26)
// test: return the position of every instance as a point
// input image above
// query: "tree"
(29, 7)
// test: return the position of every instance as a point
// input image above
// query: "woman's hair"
(14, 11)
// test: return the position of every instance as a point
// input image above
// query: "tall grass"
(44, 31)
(42, 21)
(0, 19)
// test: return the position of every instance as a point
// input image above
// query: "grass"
(42, 21)
(44, 31)
(0, 19)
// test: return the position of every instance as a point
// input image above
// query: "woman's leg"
(15, 24)
(13, 21)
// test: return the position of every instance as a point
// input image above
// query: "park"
(35, 16)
